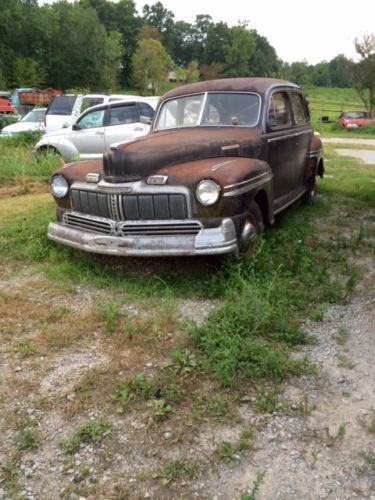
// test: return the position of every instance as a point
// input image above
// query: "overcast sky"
(298, 30)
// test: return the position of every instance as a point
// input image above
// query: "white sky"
(298, 30)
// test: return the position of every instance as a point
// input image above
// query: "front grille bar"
(123, 229)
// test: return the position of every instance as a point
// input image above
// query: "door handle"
(99, 133)
(138, 129)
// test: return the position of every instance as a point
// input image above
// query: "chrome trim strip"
(289, 202)
(288, 136)
(219, 165)
(245, 189)
(264, 174)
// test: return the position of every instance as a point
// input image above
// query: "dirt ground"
(319, 444)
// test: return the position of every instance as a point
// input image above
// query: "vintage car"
(223, 157)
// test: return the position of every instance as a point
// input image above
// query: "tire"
(51, 152)
(311, 192)
(254, 219)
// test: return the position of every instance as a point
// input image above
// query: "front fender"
(241, 180)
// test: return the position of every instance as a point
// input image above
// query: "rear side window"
(299, 109)
(62, 105)
(121, 115)
(279, 111)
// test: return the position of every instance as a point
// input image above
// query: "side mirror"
(76, 126)
(145, 120)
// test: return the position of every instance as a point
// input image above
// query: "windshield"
(37, 115)
(214, 109)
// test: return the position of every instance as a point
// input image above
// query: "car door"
(280, 144)
(124, 123)
(87, 134)
(303, 135)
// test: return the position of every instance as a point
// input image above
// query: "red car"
(6, 106)
(354, 119)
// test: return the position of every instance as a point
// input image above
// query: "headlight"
(59, 186)
(207, 192)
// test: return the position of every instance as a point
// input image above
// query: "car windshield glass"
(62, 105)
(214, 109)
(36, 115)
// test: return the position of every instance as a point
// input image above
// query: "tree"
(364, 74)
(28, 73)
(320, 74)
(112, 62)
(341, 71)
(150, 65)
(192, 73)
(298, 72)
(163, 20)
(218, 37)
(239, 53)
(264, 61)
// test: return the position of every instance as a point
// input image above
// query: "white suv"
(99, 127)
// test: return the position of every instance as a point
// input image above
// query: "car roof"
(114, 104)
(258, 85)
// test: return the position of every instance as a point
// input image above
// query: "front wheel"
(252, 228)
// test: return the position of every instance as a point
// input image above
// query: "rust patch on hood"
(135, 160)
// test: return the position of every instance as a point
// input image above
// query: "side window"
(92, 120)
(279, 110)
(146, 110)
(300, 112)
(121, 115)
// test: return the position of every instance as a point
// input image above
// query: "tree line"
(104, 45)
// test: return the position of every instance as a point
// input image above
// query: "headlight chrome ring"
(59, 186)
(207, 192)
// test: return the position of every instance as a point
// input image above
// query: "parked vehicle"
(222, 159)
(6, 106)
(97, 128)
(32, 122)
(351, 120)
(64, 110)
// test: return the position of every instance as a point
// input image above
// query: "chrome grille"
(89, 223)
(161, 206)
(159, 229)
(123, 229)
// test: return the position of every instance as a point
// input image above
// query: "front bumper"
(208, 241)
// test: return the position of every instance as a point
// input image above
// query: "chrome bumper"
(209, 241)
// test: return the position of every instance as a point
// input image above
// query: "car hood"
(58, 132)
(22, 127)
(140, 158)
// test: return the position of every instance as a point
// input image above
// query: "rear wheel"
(252, 228)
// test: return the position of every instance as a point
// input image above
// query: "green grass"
(92, 432)
(17, 164)
(348, 178)
(293, 275)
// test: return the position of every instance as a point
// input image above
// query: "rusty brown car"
(222, 158)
